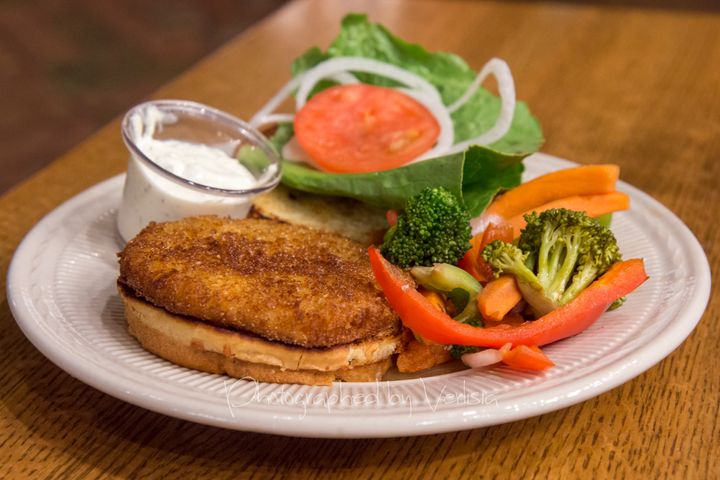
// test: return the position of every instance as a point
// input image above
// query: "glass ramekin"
(152, 193)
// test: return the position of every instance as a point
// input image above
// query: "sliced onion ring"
(272, 118)
(345, 78)
(337, 65)
(275, 101)
(506, 87)
(264, 117)
(483, 358)
(340, 68)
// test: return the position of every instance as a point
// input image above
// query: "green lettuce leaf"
(485, 174)
(474, 176)
(447, 72)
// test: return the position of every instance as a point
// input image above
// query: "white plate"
(61, 288)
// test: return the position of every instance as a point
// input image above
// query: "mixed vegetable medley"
(476, 264)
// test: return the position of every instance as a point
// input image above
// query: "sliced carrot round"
(363, 128)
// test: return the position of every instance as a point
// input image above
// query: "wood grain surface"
(638, 87)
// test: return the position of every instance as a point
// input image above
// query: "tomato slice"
(363, 128)
(392, 217)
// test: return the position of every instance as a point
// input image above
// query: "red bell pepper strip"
(527, 358)
(392, 217)
(425, 320)
(472, 262)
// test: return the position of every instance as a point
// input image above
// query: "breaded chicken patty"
(283, 282)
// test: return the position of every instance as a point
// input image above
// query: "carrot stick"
(435, 299)
(585, 180)
(498, 297)
(593, 205)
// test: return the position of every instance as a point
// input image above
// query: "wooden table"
(639, 87)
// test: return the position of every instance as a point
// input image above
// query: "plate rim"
(337, 425)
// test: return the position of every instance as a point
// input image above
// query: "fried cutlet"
(259, 298)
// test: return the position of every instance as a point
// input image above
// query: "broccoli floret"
(559, 253)
(435, 228)
(507, 258)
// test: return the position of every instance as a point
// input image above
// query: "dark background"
(67, 67)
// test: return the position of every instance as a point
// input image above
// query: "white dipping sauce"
(148, 196)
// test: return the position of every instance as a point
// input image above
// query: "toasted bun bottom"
(193, 344)
(350, 218)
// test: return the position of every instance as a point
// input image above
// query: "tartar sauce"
(149, 196)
